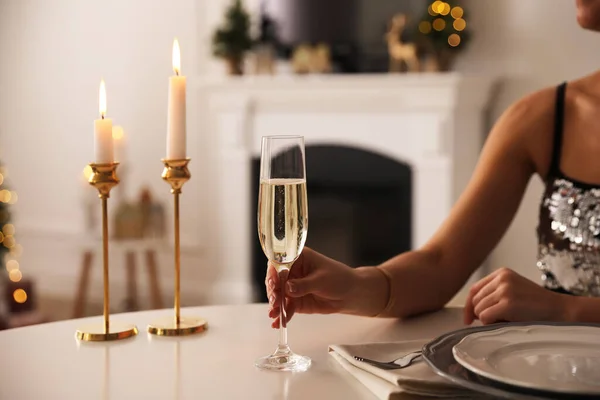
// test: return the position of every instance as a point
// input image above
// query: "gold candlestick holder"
(104, 178)
(176, 173)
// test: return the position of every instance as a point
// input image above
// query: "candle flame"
(176, 57)
(102, 99)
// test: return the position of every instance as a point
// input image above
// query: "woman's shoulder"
(528, 125)
(534, 110)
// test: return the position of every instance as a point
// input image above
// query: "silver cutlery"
(398, 363)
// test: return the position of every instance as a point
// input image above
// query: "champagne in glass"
(282, 228)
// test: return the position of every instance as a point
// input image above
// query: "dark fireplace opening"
(359, 208)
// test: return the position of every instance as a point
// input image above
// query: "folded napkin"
(406, 383)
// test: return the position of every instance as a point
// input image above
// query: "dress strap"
(559, 119)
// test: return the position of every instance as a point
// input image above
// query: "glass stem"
(283, 344)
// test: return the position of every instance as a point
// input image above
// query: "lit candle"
(176, 112)
(103, 141)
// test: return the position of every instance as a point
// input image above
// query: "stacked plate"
(521, 360)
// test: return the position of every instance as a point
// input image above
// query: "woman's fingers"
(488, 301)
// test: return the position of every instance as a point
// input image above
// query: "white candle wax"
(176, 129)
(103, 141)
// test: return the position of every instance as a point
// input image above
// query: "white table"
(47, 362)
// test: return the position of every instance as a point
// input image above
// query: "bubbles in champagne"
(282, 219)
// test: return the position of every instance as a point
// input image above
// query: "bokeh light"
(454, 40)
(1, 237)
(15, 275)
(8, 229)
(9, 242)
(444, 9)
(425, 27)
(459, 24)
(437, 6)
(439, 24)
(20, 296)
(1, 179)
(431, 11)
(87, 172)
(117, 133)
(4, 196)
(17, 250)
(12, 265)
(457, 12)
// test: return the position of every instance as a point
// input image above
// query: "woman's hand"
(319, 285)
(505, 295)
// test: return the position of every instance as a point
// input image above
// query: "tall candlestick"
(176, 113)
(103, 141)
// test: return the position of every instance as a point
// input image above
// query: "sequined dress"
(569, 225)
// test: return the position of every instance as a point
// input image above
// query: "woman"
(554, 133)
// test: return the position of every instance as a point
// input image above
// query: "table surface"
(47, 362)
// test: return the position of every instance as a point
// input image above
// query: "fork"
(401, 362)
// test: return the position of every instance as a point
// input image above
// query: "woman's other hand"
(505, 295)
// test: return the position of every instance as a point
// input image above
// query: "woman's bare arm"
(426, 279)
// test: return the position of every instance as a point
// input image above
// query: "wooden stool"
(131, 279)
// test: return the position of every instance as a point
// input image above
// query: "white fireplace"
(432, 122)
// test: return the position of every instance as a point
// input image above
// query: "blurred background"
(394, 97)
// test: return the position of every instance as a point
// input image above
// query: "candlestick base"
(95, 333)
(186, 326)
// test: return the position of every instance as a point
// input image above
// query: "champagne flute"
(282, 228)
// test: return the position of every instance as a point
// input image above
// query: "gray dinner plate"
(438, 354)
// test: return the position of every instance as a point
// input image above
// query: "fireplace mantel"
(433, 122)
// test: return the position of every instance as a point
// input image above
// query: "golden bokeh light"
(8, 229)
(13, 198)
(454, 40)
(9, 242)
(425, 27)
(1, 179)
(17, 250)
(117, 133)
(1, 237)
(87, 172)
(4, 196)
(459, 24)
(20, 296)
(444, 9)
(431, 11)
(437, 6)
(15, 275)
(457, 12)
(439, 24)
(12, 265)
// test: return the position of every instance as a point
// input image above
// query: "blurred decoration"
(232, 41)
(143, 219)
(267, 45)
(17, 295)
(5, 202)
(312, 59)
(401, 53)
(443, 34)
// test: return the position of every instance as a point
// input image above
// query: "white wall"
(529, 44)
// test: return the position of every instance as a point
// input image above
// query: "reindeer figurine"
(398, 51)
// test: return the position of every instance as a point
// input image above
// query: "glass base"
(284, 361)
